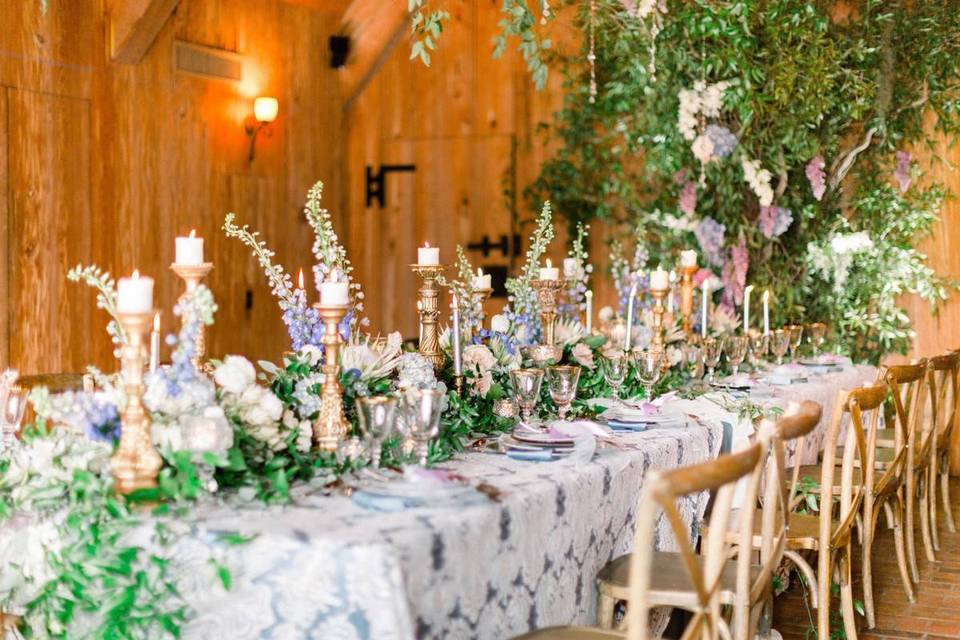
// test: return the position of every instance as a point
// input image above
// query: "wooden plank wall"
(107, 163)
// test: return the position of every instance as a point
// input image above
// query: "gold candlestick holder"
(547, 291)
(136, 462)
(192, 275)
(430, 312)
(331, 425)
(658, 342)
(686, 296)
(480, 296)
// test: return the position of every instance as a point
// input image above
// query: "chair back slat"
(945, 369)
(661, 491)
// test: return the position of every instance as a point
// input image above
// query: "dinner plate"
(542, 439)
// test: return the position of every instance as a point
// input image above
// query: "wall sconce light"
(265, 111)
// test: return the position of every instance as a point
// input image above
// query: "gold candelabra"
(658, 343)
(430, 312)
(686, 296)
(136, 462)
(547, 291)
(480, 296)
(331, 425)
(192, 275)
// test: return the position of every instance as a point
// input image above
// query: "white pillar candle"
(628, 338)
(334, 293)
(688, 258)
(189, 249)
(571, 267)
(427, 255)
(589, 311)
(155, 343)
(135, 294)
(766, 312)
(746, 309)
(706, 306)
(455, 341)
(549, 272)
(482, 281)
(660, 280)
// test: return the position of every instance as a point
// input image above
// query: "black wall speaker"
(339, 51)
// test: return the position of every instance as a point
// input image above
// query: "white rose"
(207, 433)
(311, 354)
(499, 324)
(235, 374)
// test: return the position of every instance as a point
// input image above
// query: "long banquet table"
(329, 569)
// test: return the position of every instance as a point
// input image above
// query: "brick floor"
(934, 616)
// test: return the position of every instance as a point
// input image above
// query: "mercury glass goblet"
(712, 350)
(693, 356)
(796, 338)
(649, 367)
(736, 350)
(562, 383)
(422, 409)
(615, 367)
(12, 410)
(526, 389)
(779, 343)
(759, 346)
(376, 417)
(816, 334)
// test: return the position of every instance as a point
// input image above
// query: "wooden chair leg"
(945, 495)
(908, 497)
(932, 505)
(898, 537)
(824, 581)
(606, 606)
(866, 560)
(846, 593)
(925, 518)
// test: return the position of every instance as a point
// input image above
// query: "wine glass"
(422, 409)
(736, 350)
(796, 337)
(526, 389)
(562, 384)
(376, 417)
(759, 346)
(693, 356)
(14, 406)
(816, 334)
(649, 364)
(712, 350)
(615, 366)
(779, 343)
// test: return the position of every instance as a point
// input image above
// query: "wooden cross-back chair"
(945, 372)
(661, 491)
(829, 532)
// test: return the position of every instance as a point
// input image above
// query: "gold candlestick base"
(686, 297)
(547, 291)
(430, 313)
(331, 425)
(136, 462)
(192, 275)
(480, 296)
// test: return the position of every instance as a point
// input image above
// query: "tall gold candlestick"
(192, 275)
(547, 291)
(686, 299)
(331, 425)
(136, 462)
(430, 312)
(480, 296)
(658, 342)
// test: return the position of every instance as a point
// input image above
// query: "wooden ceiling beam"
(374, 27)
(134, 25)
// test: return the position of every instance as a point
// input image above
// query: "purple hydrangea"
(774, 221)
(688, 198)
(93, 414)
(902, 173)
(724, 141)
(735, 273)
(710, 234)
(816, 176)
(304, 325)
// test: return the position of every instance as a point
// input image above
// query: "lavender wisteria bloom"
(724, 141)
(735, 274)
(816, 176)
(710, 235)
(688, 198)
(774, 221)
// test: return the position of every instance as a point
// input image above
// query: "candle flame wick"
(300, 279)
(193, 233)
(136, 274)
(156, 322)
(426, 245)
(549, 264)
